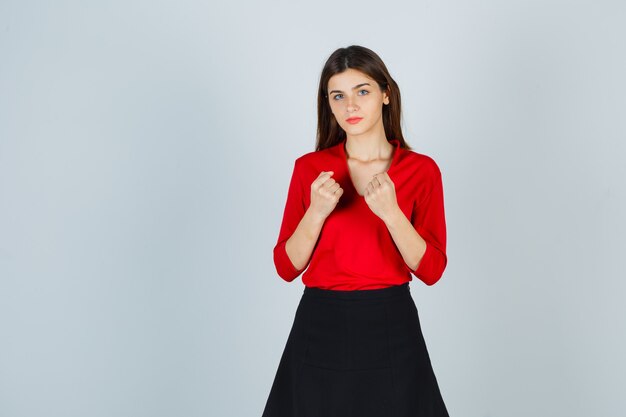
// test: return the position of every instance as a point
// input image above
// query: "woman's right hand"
(325, 194)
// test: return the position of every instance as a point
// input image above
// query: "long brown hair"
(360, 58)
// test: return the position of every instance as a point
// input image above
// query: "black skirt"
(355, 354)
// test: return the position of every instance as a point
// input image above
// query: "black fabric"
(355, 354)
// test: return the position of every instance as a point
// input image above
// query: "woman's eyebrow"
(354, 88)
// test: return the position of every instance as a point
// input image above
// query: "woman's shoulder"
(419, 161)
(315, 158)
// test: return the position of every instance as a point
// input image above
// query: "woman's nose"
(351, 104)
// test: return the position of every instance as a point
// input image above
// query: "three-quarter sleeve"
(429, 221)
(293, 213)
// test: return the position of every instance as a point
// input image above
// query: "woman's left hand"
(380, 196)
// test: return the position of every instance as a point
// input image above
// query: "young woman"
(363, 213)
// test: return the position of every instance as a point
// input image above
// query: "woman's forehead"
(349, 78)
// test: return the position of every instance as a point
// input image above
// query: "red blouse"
(355, 250)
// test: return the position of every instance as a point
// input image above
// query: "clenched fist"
(380, 196)
(325, 194)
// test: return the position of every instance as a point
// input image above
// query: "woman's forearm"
(300, 245)
(410, 244)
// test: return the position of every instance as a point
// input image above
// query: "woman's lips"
(354, 120)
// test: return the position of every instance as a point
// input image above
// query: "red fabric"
(355, 250)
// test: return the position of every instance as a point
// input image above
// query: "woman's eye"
(337, 95)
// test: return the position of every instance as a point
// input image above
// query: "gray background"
(145, 155)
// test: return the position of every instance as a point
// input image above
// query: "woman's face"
(353, 94)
